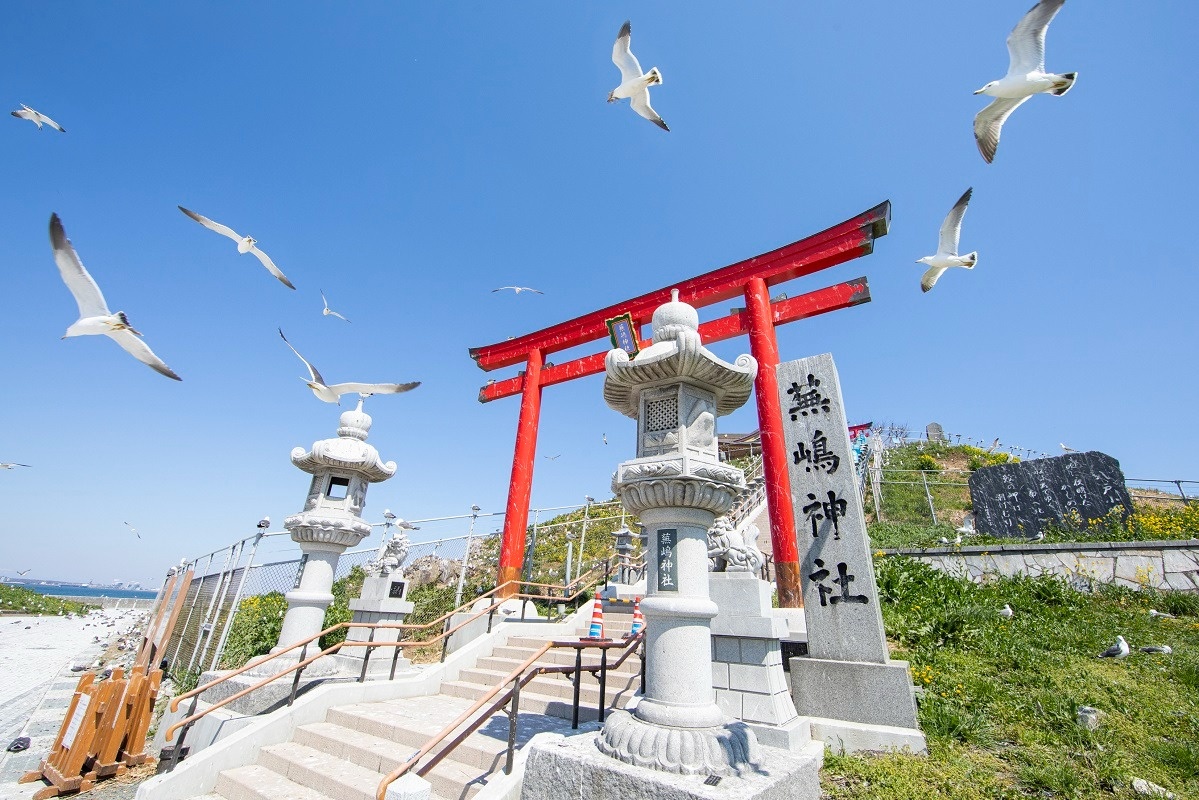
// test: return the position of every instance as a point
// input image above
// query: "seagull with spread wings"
(332, 393)
(39, 119)
(11, 464)
(94, 316)
(328, 312)
(518, 289)
(245, 244)
(947, 246)
(135, 533)
(1025, 77)
(634, 84)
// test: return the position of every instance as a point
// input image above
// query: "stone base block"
(795, 735)
(379, 666)
(271, 696)
(573, 767)
(410, 787)
(856, 737)
(619, 591)
(854, 691)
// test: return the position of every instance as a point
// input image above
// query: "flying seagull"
(36, 118)
(332, 393)
(135, 533)
(1066, 449)
(94, 316)
(328, 312)
(518, 289)
(1025, 77)
(1006, 612)
(11, 464)
(245, 244)
(24, 571)
(947, 246)
(554, 458)
(1117, 650)
(634, 84)
(994, 445)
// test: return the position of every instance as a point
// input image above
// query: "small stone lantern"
(341, 470)
(677, 486)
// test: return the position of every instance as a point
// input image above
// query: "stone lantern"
(677, 486)
(341, 469)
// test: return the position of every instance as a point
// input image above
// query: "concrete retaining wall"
(1160, 565)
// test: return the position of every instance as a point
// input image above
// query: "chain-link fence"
(558, 549)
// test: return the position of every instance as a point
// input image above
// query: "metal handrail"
(518, 677)
(194, 716)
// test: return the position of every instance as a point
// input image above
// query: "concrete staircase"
(345, 756)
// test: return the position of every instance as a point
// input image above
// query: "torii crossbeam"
(750, 279)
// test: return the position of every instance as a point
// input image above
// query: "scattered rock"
(1088, 717)
(1142, 786)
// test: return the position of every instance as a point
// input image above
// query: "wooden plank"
(177, 606)
(143, 652)
(134, 748)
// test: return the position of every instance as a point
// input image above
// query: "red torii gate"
(751, 279)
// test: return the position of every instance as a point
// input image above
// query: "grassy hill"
(907, 520)
(19, 600)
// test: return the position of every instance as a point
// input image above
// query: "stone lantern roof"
(677, 354)
(349, 451)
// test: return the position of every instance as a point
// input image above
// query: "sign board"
(68, 738)
(623, 334)
(836, 568)
(668, 561)
(1026, 498)
(396, 589)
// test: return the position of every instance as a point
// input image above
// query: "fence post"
(241, 584)
(222, 592)
(929, 496)
(474, 515)
(190, 609)
(205, 631)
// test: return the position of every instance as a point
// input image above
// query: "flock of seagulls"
(1026, 76)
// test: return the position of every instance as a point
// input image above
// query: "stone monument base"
(266, 698)
(870, 706)
(560, 766)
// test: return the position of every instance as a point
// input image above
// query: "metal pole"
(928, 495)
(583, 538)
(570, 552)
(206, 623)
(532, 548)
(1185, 499)
(222, 591)
(241, 584)
(190, 609)
(466, 557)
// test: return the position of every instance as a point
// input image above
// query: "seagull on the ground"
(37, 118)
(1164, 649)
(1066, 449)
(328, 312)
(1040, 535)
(1025, 77)
(94, 316)
(634, 84)
(967, 526)
(518, 289)
(245, 244)
(135, 533)
(1155, 614)
(1006, 612)
(947, 246)
(11, 464)
(332, 393)
(1117, 650)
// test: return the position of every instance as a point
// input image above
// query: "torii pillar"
(750, 279)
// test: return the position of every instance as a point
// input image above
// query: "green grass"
(17, 599)
(1000, 696)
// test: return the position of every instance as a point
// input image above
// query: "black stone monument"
(1023, 499)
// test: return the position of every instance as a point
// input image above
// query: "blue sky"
(408, 158)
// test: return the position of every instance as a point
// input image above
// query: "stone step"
(553, 699)
(505, 664)
(256, 782)
(557, 685)
(332, 777)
